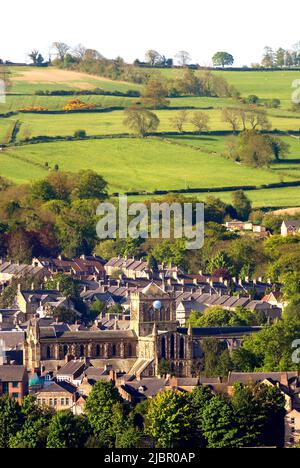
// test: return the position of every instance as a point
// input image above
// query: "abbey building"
(152, 337)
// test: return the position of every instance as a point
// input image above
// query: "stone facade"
(154, 335)
(292, 429)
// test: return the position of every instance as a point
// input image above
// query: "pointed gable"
(153, 290)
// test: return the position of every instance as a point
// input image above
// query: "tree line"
(281, 57)
(183, 59)
(252, 416)
(68, 56)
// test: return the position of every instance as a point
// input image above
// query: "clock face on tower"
(157, 305)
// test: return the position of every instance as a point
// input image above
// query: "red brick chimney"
(112, 375)
(284, 379)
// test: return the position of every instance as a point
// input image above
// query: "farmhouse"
(290, 228)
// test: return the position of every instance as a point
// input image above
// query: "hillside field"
(163, 162)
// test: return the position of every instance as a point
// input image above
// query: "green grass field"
(15, 102)
(112, 123)
(288, 168)
(261, 199)
(264, 84)
(132, 164)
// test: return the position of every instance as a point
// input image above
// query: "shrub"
(33, 109)
(80, 134)
(273, 104)
(252, 99)
(76, 104)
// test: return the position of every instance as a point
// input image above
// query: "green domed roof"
(35, 380)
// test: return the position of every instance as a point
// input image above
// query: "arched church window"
(81, 350)
(98, 350)
(163, 347)
(180, 369)
(172, 350)
(149, 315)
(65, 350)
(114, 350)
(49, 352)
(181, 348)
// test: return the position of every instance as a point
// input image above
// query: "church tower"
(152, 306)
(32, 347)
(153, 318)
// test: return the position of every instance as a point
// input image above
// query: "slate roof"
(15, 269)
(51, 333)
(85, 265)
(147, 387)
(12, 339)
(12, 373)
(215, 331)
(292, 224)
(42, 295)
(190, 301)
(184, 381)
(60, 387)
(259, 376)
(93, 373)
(71, 368)
(127, 264)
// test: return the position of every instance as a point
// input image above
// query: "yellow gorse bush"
(76, 104)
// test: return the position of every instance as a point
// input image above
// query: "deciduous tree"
(183, 58)
(222, 59)
(168, 419)
(200, 121)
(141, 121)
(242, 205)
(179, 119)
(153, 57)
(61, 50)
(154, 95)
(10, 419)
(99, 408)
(67, 431)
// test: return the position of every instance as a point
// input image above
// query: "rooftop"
(221, 331)
(71, 368)
(12, 373)
(61, 387)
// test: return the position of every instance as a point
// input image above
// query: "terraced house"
(14, 382)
